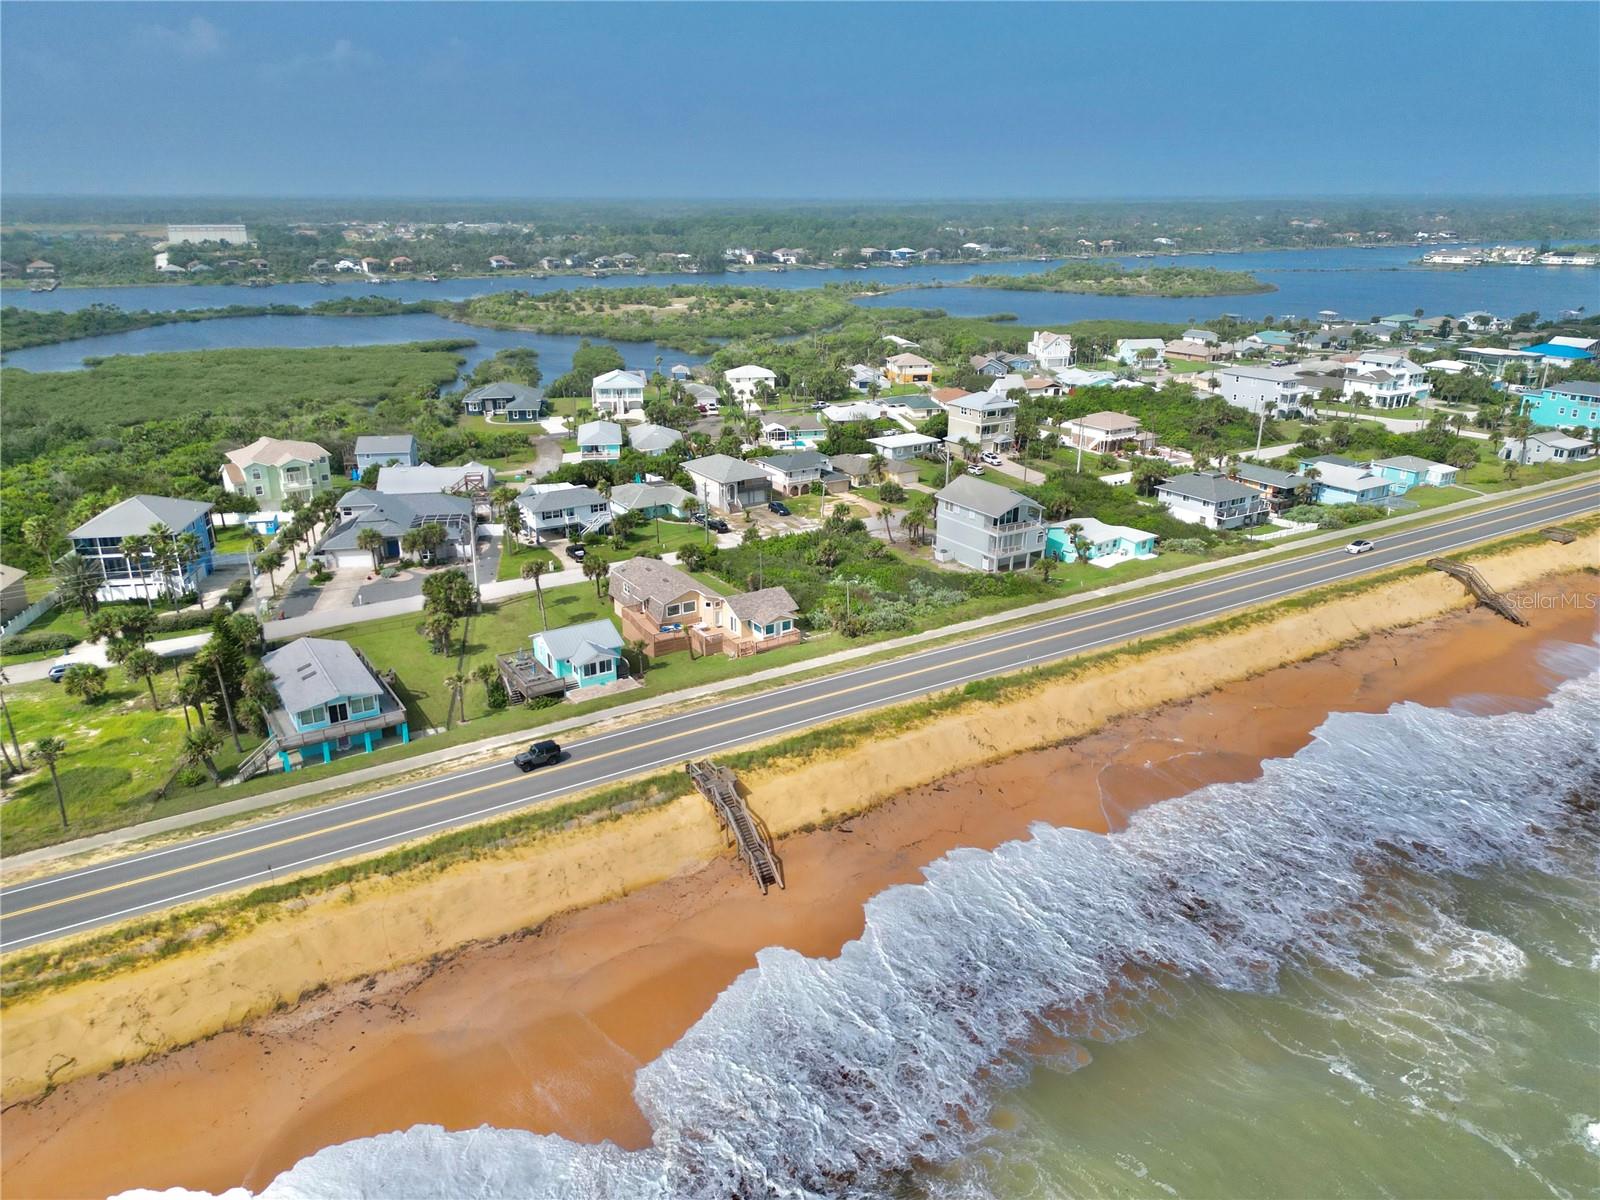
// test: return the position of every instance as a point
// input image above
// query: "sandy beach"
(544, 1030)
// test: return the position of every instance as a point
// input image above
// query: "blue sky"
(819, 100)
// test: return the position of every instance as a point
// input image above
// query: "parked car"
(716, 525)
(1359, 546)
(975, 469)
(779, 507)
(539, 754)
(576, 551)
(990, 457)
(59, 668)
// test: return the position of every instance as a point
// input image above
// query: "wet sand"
(544, 1030)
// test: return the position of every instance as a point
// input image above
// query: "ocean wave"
(837, 1077)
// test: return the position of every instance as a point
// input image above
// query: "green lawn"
(512, 561)
(232, 539)
(71, 620)
(1184, 367)
(119, 751)
(1489, 475)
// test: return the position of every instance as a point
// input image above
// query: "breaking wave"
(840, 1077)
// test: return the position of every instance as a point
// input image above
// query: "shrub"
(1184, 546)
(38, 643)
(891, 492)
(189, 619)
(190, 777)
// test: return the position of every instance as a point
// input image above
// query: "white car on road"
(1359, 546)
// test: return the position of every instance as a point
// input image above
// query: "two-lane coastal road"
(252, 854)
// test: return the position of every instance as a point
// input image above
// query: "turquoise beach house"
(1105, 545)
(590, 653)
(330, 699)
(1565, 406)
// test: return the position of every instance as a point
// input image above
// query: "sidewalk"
(460, 752)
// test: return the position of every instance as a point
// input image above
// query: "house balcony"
(525, 677)
(745, 645)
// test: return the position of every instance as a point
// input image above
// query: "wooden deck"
(1479, 587)
(525, 678)
(743, 828)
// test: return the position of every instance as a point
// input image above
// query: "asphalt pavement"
(141, 883)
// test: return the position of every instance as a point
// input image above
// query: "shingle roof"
(1106, 420)
(1592, 390)
(1268, 476)
(990, 499)
(599, 433)
(427, 478)
(312, 671)
(802, 460)
(386, 443)
(561, 499)
(1211, 488)
(137, 514)
(651, 439)
(534, 403)
(720, 468)
(503, 390)
(274, 452)
(648, 495)
(580, 644)
(392, 514)
(763, 606)
(653, 582)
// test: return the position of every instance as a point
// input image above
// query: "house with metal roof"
(99, 542)
(1211, 499)
(744, 383)
(1557, 355)
(987, 527)
(329, 699)
(726, 484)
(618, 394)
(903, 446)
(386, 450)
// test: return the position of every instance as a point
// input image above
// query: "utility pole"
(1261, 426)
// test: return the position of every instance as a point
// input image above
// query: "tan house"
(1185, 350)
(908, 368)
(1106, 432)
(668, 610)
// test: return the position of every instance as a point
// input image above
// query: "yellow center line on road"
(634, 747)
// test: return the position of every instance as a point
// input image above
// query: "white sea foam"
(833, 1077)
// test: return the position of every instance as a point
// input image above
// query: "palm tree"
(199, 749)
(533, 570)
(919, 511)
(457, 683)
(595, 569)
(207, 659)
(134, 547)
(85, 681)
(5, 711)
(191, 693)
(437, 628)
(511, 519)
(48, 750)
(39, 535)
(190, 549)
(888, 524)
(370, 540)
(270, 560)
(146, 665)
(259, 692)
(485, 673)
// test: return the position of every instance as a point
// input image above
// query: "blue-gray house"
(331, 699)
(99, 542)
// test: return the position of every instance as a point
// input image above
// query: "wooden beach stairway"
(1479, 587)
(739, 824)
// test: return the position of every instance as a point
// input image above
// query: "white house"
(556, 509)
(1211, 499)
(794, 473)
(619, 394)
(1101, 432)
(901, 446)
(1052, 351)
(1550, 446)
(1128, 351)
(745, 382)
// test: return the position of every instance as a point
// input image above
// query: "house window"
(602, 667)
(311, 716)
(362, 705)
